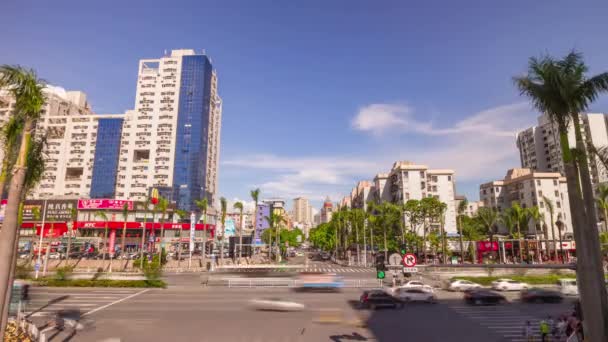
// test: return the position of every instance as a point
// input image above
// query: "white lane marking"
(115, 302)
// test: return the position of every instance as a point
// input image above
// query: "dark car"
(483, 297)
(536, 295)
(373, 299)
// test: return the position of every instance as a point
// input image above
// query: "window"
(434, 179)
(538, 182)
(556, 193)
(484, 191)
(541, 204)
(532, 194)
(540, 193)
(421, 174)
(492, 190)
(555, 180)
(497, 189)
(449, 178)
(558, 204)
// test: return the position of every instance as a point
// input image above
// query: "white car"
(275, 304)
(413, 284)
(54, 256)
(414, 295)
(509, 285)
(463, 285)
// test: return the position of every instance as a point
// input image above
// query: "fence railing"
(292, 283)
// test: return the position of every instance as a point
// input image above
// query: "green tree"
(102, 215)
(73, 216)
(255, 196)
(10, 133)
(275, 221)
(462, 208)
(182, 214)
(239, 207)
(162, 206)
(519, 216)
(223, 207)
(488, 218)
(27, 91)
(125, 216)
(202, 207)
(602, 203)
(551, 209)
(535, 217)
(562, 90)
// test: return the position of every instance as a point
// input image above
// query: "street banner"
(192, 230)
(112, 242)
(112, 204)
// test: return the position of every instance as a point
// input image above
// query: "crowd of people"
(562, 329)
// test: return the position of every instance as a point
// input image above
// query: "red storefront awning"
(138, 225)
(57, 228)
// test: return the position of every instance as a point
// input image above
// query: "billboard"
(229, 228)
(111, 204)
(56, 210)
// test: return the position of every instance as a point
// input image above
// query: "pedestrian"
(544, 331)
(528, 333)
(551, 324)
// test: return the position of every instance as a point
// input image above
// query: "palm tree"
(507, 218)
(125, 215)
(562, 90)
(255, 196)
(162, 206)
(223, 207)
(441, 209)
(274, 222)
(489, 218)
(536, 217)
(239, 206)
(102, 215)
(202, 206)
(27, 91)
(602, 203)
(143, 231)
(551, 209)
(182, 214)
(519, 215)
(73, 216)
(462, 208)
(10, 133)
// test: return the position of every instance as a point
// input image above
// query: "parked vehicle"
(373, 299)
(509, 285)
(536, 295)
(463, 285)
(568, 287)
(414, 295)
(275, 304)
(483, 297)
(54, 256)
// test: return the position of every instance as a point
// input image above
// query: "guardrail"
(291, 283)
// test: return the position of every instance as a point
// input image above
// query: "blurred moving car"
(509, 285)
(483, 297)
(318, 281)
(275, 304)
(373, 299)
(325, 256)
(414, 295)
(537, 295)
(415, 284)
(568, 287)
(463, 285)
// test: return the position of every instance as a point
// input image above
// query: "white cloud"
(480, 147)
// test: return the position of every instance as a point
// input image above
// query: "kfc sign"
(111, 204)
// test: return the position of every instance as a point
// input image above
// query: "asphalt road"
(189, 312)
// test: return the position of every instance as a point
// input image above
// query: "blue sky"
(320, 94)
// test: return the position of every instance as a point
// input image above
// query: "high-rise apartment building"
(170, 141)
(301, 210)
(540, 149)
(73, 144)
(471, 207)
(529, 188)
(326, 211)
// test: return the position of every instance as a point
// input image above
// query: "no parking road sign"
(409, 260)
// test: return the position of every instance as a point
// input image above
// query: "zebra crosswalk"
(504, 320)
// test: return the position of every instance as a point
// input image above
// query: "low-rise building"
(528, 189)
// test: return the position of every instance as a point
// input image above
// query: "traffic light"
(380, 266)
(403, 248)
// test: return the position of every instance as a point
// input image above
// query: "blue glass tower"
(192, 131)
(107, 149)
